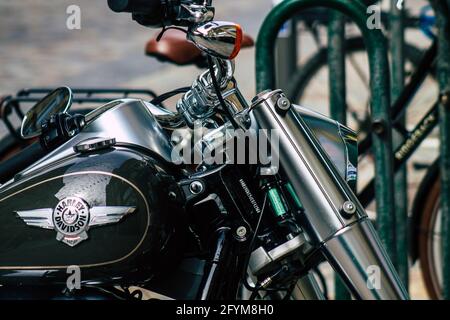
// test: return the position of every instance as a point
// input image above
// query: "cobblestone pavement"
(36, 49)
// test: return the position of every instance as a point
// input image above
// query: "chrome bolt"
(283, 103)
(196, 187)
(241, 232)
(176, 139)
(172, 195)
(349, 208)
(246, 121)
(379, 126)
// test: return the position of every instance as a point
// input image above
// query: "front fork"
(334, 218)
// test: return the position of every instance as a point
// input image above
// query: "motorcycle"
(219, 199)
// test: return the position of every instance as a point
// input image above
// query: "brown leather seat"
(175, 48)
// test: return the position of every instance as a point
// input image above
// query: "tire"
(426, 211)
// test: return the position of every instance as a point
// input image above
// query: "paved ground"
(36, 49)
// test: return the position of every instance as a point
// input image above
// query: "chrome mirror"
(57, 101)
(218, 38)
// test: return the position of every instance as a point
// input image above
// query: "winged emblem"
(72, 217)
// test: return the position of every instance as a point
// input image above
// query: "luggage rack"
(16, 105)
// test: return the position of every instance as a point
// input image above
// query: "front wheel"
(429, 240)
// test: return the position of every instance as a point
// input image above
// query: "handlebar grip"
(135, 6)
(9, 168)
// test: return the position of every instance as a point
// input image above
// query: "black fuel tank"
(106, 212)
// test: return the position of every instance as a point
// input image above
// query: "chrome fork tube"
(307, 288)
(334, 218)
(357, 254)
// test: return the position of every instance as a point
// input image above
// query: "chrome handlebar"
(195, 13)
(200, 103)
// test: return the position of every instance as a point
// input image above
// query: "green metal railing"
(397, 49)
(380, 94)
(338, 101)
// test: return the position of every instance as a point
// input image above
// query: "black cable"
(255, 292)
(322, 281)
(163, 97)
(258, 286)
(247, 256)
(137, 294)
(289, 292)
(219, 92)
(164, 29)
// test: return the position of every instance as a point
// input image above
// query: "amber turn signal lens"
(237, 43)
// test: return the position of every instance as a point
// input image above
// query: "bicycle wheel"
(428, 232)
(311, 78)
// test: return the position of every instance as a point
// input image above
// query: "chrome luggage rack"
(13, 107)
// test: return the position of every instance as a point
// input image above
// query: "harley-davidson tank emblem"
(72, 217)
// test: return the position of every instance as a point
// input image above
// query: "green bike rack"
(397, 41)
(338, 111)
(336, 66)
(441, 8)
(337, 87)
(380, 93)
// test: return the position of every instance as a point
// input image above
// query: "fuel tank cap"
(94, 144)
